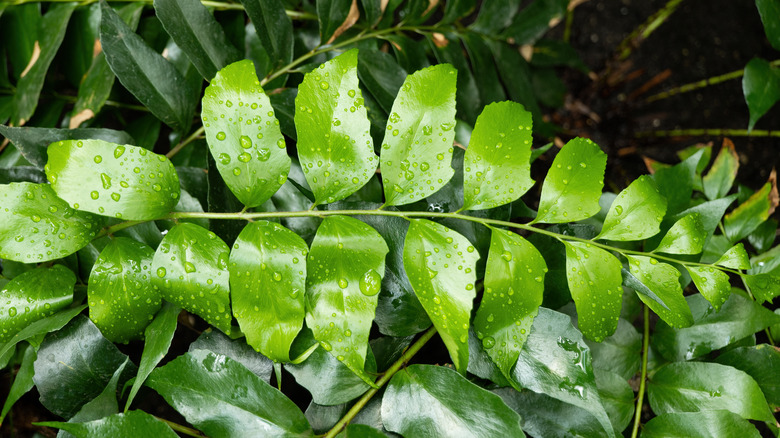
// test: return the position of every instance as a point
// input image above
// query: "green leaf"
(122, 300)
(267, 282)
(419, 402)
(765, 287)
(380, 73)
(555, 361)
(718, 181)
(74, 365)
(761, 87)
(535, 19)
(236, 349)
(450, 51)
(700, 386)
(762, 238)
(735, 258)
(345, 269)
(37, 226)
(190, 268)
(243, 134)
(274, 28)
(750, 214)
(23, 382)
(762, 363)
(514, 285)
(417, 147)
(617, 398)
(32, 142)
(158, 336)
(704, 424)
(220, 397)
(105, 403)
(335, 16)
(41, 327)
(676, 183)
(712, 283)
(572, 187)
(440, 264)
(594, 279)
(663, 281)
(636, 213)
(334, 144)
(32, 296)
(360, 431)
(484, 67)
(769, 11)
(155, 82)
(199, 35)
(497, 167)
(124, 181)
(50, 32)
(133, 423)
(686, 236)
(738, 318)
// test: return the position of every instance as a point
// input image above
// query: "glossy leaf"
(685, 237)
(761, 87)
(124, 181)
(74, 365)
(380, 73)
(360, 431)
(594, 280)
(195, 30)
(440, 264)
(236, 349)
(484, 67)
(417, 147)
(572, 187)
(663, 280)
(154, 81)
(37, 226)
(738, 318)
(335, 16)
(700, 386)
(769, 11)
(334, 144)
(190, 268)
(133, 423)
(345, 267)
(419, 402)
(268, 283)
(735, 258)
(158, 337)
(762, 363)
(676, 182)
(220, 397)
(718, 181)
(497, 167)
(122, 299)
(514, 285)
(636, 213)
(105, 403)
(243, 134)
(712, 283)
(704, 424)
(41, 327)
(765, 287)
(32, 296)
(274, 28)
(23, 382)
(750, 214)
(616, 353)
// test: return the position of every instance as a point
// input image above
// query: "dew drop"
(618, 210)
(189, 267)
(115, 196)
(324, 85)
(370, 283)
(236, 171)
(245, 141)
(161, 272)
(277, 276)
(343, 283)
(221, 136)
(98, 159)
(244, 157)
(119, 151)
(488, 342)
(94, 194)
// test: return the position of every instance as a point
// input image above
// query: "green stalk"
(194, 136)
(400, 363)
(709, 132)
(643, 377)
(181, 429)
(644, 30)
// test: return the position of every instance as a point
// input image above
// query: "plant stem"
(194, 136)
(179, 428)
(643, 377)
(709, 132)
(400, 363)
(644, 30)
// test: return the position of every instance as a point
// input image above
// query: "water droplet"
(263, 154)
(244, 157)
(507, 256)
(432, 273)
(324, 85)
(161, 272)
(53, 209)
(115, 196)
(326, 345)
(94, 194)
(245, 141)
(189, 267)
(98, 159)
(277, 276)
(370, 283)
(343, 283)
(221, 136)
(618, 210)
(488, 342)
(12, 311)
(157, 187)
(236, 171)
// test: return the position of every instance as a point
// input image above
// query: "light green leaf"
(37, 226)
(686, 236)
(190, 268)
(736, 258)
(497, 166)
(663, 280)
(572, 187)
(718, 181)
(762, 363)
(440, 264)
(41, 327)
(334, 143)
(133, 423)
(712, 283)
(124, 181)
(514, 285)
(243, 134)
(32, 296)
(267, 282)
(345, 269)
(417, 147)
(701, 386)
(594, 279)
(636, 213)
(221, 397)
(427, 400)
(704, 424)
(761, 87)
(765, 287)
(750, 214)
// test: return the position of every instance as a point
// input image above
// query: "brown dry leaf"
(96, 48)
(774, 197)
(77, 119)
(33, 59)
(440, 40)
(352, 18)
(431, 4)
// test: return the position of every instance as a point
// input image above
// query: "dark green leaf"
(636, 213)
(686, 236)
(103, 405)
(761, 87)
(617, 398)
(764, 287)
(243, 134)
(419, 402)
(762, 362)
(699, 386)
(22, 174)
(236, 349)
(676, 183)
(705, 424)
(334, 145)
(221, 200)
(274, 29)
(133, 423)
(122, 300)
(41, 327)
(495, 16)
(572, 187)
(750, 214)
(456, 9)
(360, 431)
(533, 21)
(712, 283)
(769, 11)
(764, 235)
(221, 397)
(663, 281)
(155, 82)
(23, 382)
(267, 282)
(417, 148)
(440, 264)
(37, 226)
(556, 53)
(284, 104)
(484, 67)
(124, 181)
(381, 75)
(718, 181)
(335, 16)
(345, 269)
